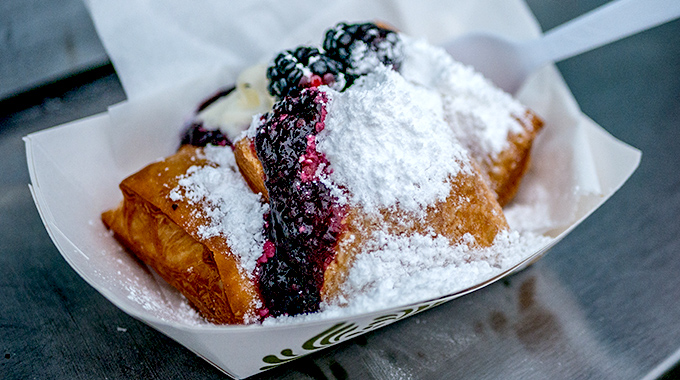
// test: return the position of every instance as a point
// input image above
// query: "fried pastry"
(167, 235)
(505, 169)
(496, 128)
(479, 216)
(374, 138)
(323, 211)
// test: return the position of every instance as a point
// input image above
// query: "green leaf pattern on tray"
(343, 331)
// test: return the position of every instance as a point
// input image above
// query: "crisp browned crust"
(250, 166)
(164, 235)
(471, 208)
(505, 171)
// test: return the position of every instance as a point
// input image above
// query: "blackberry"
(361, 47)
(303, 67)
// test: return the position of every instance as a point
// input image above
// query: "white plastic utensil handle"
(610, 22)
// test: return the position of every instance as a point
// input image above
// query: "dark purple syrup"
(212, 99)
(305, 219)
(197, 135)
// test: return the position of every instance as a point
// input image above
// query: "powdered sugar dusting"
(164, 301)
(393, 139)
(233, 210)
(143, 286)
(428, 266)
(409, 269)
(399, 270)
(388, 143)
(481, 114)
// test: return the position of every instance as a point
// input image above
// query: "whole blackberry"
(361, 47)
(303, 67)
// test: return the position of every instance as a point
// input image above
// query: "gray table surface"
(604, 303)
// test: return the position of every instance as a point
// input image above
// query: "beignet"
(320, 167)
(497, 129)
(166, 234)
(374, 138)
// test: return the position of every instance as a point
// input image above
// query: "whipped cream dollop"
(232, 114)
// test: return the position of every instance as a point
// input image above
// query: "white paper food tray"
(75, 170)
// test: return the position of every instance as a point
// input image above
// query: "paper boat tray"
(75, 170)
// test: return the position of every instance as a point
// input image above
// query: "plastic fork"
(508, 63)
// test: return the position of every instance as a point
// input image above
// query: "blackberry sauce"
(197, 135)
(305, 220)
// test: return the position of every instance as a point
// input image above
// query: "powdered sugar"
(400, 270)
(481, 114)
(392, 139)
(388, 143)
(234, 211)
(164, 301)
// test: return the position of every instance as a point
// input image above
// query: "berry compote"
(305, 219)
(197, 135)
